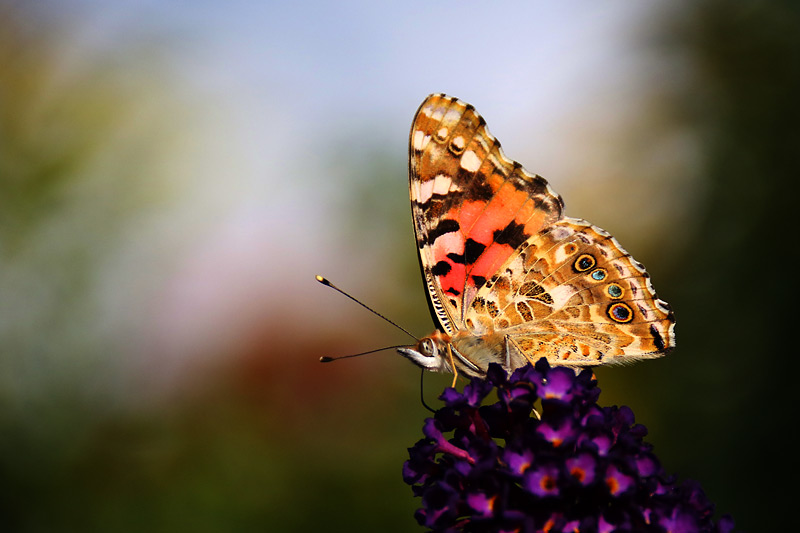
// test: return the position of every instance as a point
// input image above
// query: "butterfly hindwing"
(471, 205)
(572, 294)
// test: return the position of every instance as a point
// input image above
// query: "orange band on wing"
(473, 249)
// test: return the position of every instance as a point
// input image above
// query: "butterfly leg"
(452, 364)
(507, 365)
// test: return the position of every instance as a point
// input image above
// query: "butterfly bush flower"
(577, 467)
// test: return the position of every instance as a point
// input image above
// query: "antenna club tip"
(322, 280)
(325, 359)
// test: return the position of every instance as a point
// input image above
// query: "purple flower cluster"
(574, 467)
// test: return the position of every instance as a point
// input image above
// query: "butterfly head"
(430, 352)
(440, 352)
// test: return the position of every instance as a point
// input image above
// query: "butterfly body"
(509, 278)
(464, 353)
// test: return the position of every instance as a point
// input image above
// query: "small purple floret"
(542, 481)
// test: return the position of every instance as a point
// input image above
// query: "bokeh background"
(173, 174)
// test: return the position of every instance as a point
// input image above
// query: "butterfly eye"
(428, 348)
(584, 263)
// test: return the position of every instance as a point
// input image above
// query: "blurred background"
(173, 174)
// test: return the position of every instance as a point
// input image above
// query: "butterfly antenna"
(326, 282)
(326, 359)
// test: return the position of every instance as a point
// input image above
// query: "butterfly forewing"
(471, 205)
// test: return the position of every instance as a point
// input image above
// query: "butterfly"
(509, 278)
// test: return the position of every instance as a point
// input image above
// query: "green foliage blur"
(256, 444)
(728, 404)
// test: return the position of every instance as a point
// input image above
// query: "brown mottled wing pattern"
(472, 206)
(573, 295)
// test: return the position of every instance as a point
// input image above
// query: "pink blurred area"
(234, 303)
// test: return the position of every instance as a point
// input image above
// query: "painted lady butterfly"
(510, 279)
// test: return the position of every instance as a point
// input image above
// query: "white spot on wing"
(560, 233)
(650, 288)
(561, 295)
(441, 184)
(454, 115)
(425, 191)
(671, 336)
(602, 232)
(502, 155)
(470, 161)
(449, 242)
(420, 140)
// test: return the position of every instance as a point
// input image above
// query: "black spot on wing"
(513, 235)
(456, 258)
(441, 268)
(442, 228)
(472, 250)
(658, 340)
(478, 189)
(451, 290)
(478, 280)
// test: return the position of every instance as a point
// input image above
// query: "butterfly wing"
(572, 294)
(471, 205)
